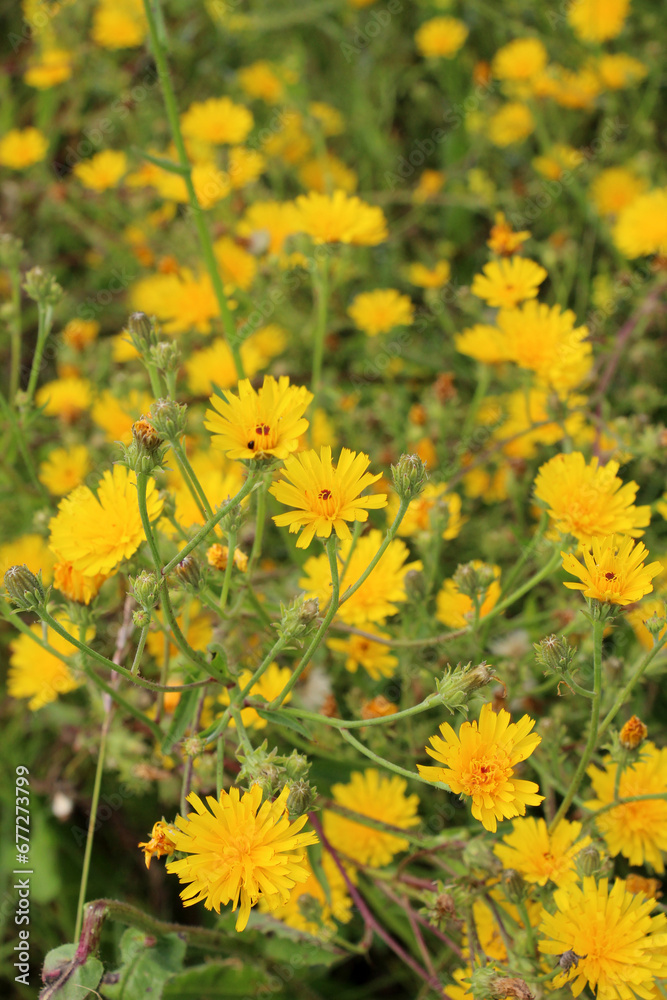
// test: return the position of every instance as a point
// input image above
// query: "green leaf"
(65, 979)
(280, 719)
(182, 718)
(147, 963)
(215, 979)
(159, 161)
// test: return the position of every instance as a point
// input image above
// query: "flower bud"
(233, 519)
(189, 573)
(142, 331)
(655, 625)
(555, 653)
(297, 766)
(409, 476)
(261, 767)
(481, 982)
(42, 287)
(24, 588)
(141, 617)
(166, 355)
(474, 579)
(633, 733)
(169, 418)
(588, 861)
(298, 619)
(144, 588)
(300, 799)
(514, 886)
(11, 251)
(145, 435)
(510, 986)
(193, 746)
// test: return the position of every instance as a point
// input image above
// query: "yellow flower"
(122, 348)
(456, 609)
(374, 657)
(327, 173)
(218, 121)
(218, 557)
(424, 277)
(569, 88)
(615, 188)
(378, 797)
(335, 905)
(219, 479)
(641, 227)
(103, 170)
(29, 550)
(272, 220)
(184, 301)
(241, 850)
(480, 762)
(210, 183)
(502, 238)
(261, 80)
(520, 59)
(78, 333)
(429, 184)
(546, 341)
(65, 468)
(37, 674)
(511, 123)
(337, 218)
(598, 20)
(589, 502)
(559, 158)
(484, 343)
(441, 37)
(539, 856)
(237, 266)
(614, 570)
(434, 506)
(291, 143)
(380, 311)
(161, 841)
(214, 365)
(325, 496)
(95, 533)
(74, 584)
(330, 119)
(377, 597)
(66, 398)
(620, 70)
(244, 166)
(53, 66)
(20, 148)
(116, 416)
(509, 281)
(638, 617)
(119, 24)
(529, 422)
(268, 687)
(259, 423)
(619, 947)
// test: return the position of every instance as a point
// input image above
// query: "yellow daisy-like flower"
(218, 121)
(641, 227)
(241, 850)
(325, 496)
(103, 170)
(614, 570)
(64, 469)
(598, 20)
(511, 123)
(119, 24)
(259, 423)
(546, 341)
(20, 148)
(441, 37)
(520, 59)
(588, 501)
(380, 311)
(539, 856)
(359, 651)
(378, 797)
(483, 343)
(503, 240)
(272, 220)
(238, 267)
(31, 551)
(95, 533)
(268, 687)
(637, 830)
(329, 118)
(161, 841)
(244, 166)
(377, 598)
(456, 609)
(214, 366)
(426, 277)
(509, 281)
(52, 67)
(337, 218)
(619, 947)
(262, 81)
(619, 71)
(66, 398)
(115, 416)
(78, 333)
(480, 762)
(182, 302)
(335, 905)
(75, 585)
(210, 183)
(35, 673)
(434, 505)
(326, 173)
(615, 188)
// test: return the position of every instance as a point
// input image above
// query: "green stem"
(205, 241)
(44, 323)
(423, 706)
(412, 775)
(530, 937)
(389, 537)
(124, 703)
(91, 825)
(321, 290)
(598, 630)
(140, 649)
(622, 697)
(15, 334)
(241, 729)
(219, 765)
(260, 521)
(186, 469)
(227, 580)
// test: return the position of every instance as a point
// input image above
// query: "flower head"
(325, 496)
(35, 673)
(620, 947)
(426, 277)
(119, 24)
(20, 148)
(241, 850)
(615, 188)
(312, 910)
(380, 311)
(441, 37)
(65, 468)
(480, 762)
(52, 66)
(613, 570)
(637, 830)
(513, 122)
(361, 651)
(641, 227)
(508, 281)
(338, 218)
(66, 398)
(502, 238)
(456, 609)
(545, 340)
(540, 856)
(95, 533)
(598, 20)
(379, 797)
(217, 120)
(161, 841)
(103, 170)
(259, 423)
(589, 501)
(520, 59)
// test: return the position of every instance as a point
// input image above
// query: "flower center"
(262, 438)
(325, 503)
(485, 775)
(610, 576)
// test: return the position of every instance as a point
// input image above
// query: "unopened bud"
(11, 251)
(510, 986)
(145, 435)
(409, 476)
(588, 861)
(555, 653)
(298, 619)
(169, 418)
(655, 625)
(24, 588)
(233, 519)
(42, 287)
(474, 579)
(514, 886)
(166, 356)
(188, 572)
(141, 330)
(193, 746)
(633, 733)
(141, 617)
(144, 588)
(297, 766)
(300, 799)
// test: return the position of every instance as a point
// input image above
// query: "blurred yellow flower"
(598, 20)
(425, 277)
(456, 609)
(334, 905)
(273, 220)
(508, 281)
(65, 468)
(330, 119)
(31, 550)
(641, 227)
(520, 59)
(78, 333)
(119, 24)
(20, 148)
(620, 70)
(441, 37)
(217, 120)
(103, 170)
(371, 794)
(360, 651)
(637, 618)
(261, 80)
(327, 173)
(51, 67)
(512, 123)
(380, 311)
(337, 218)
(66, 398)
(35, 673)
(615, 188)
(244, 166)
(116, 415)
